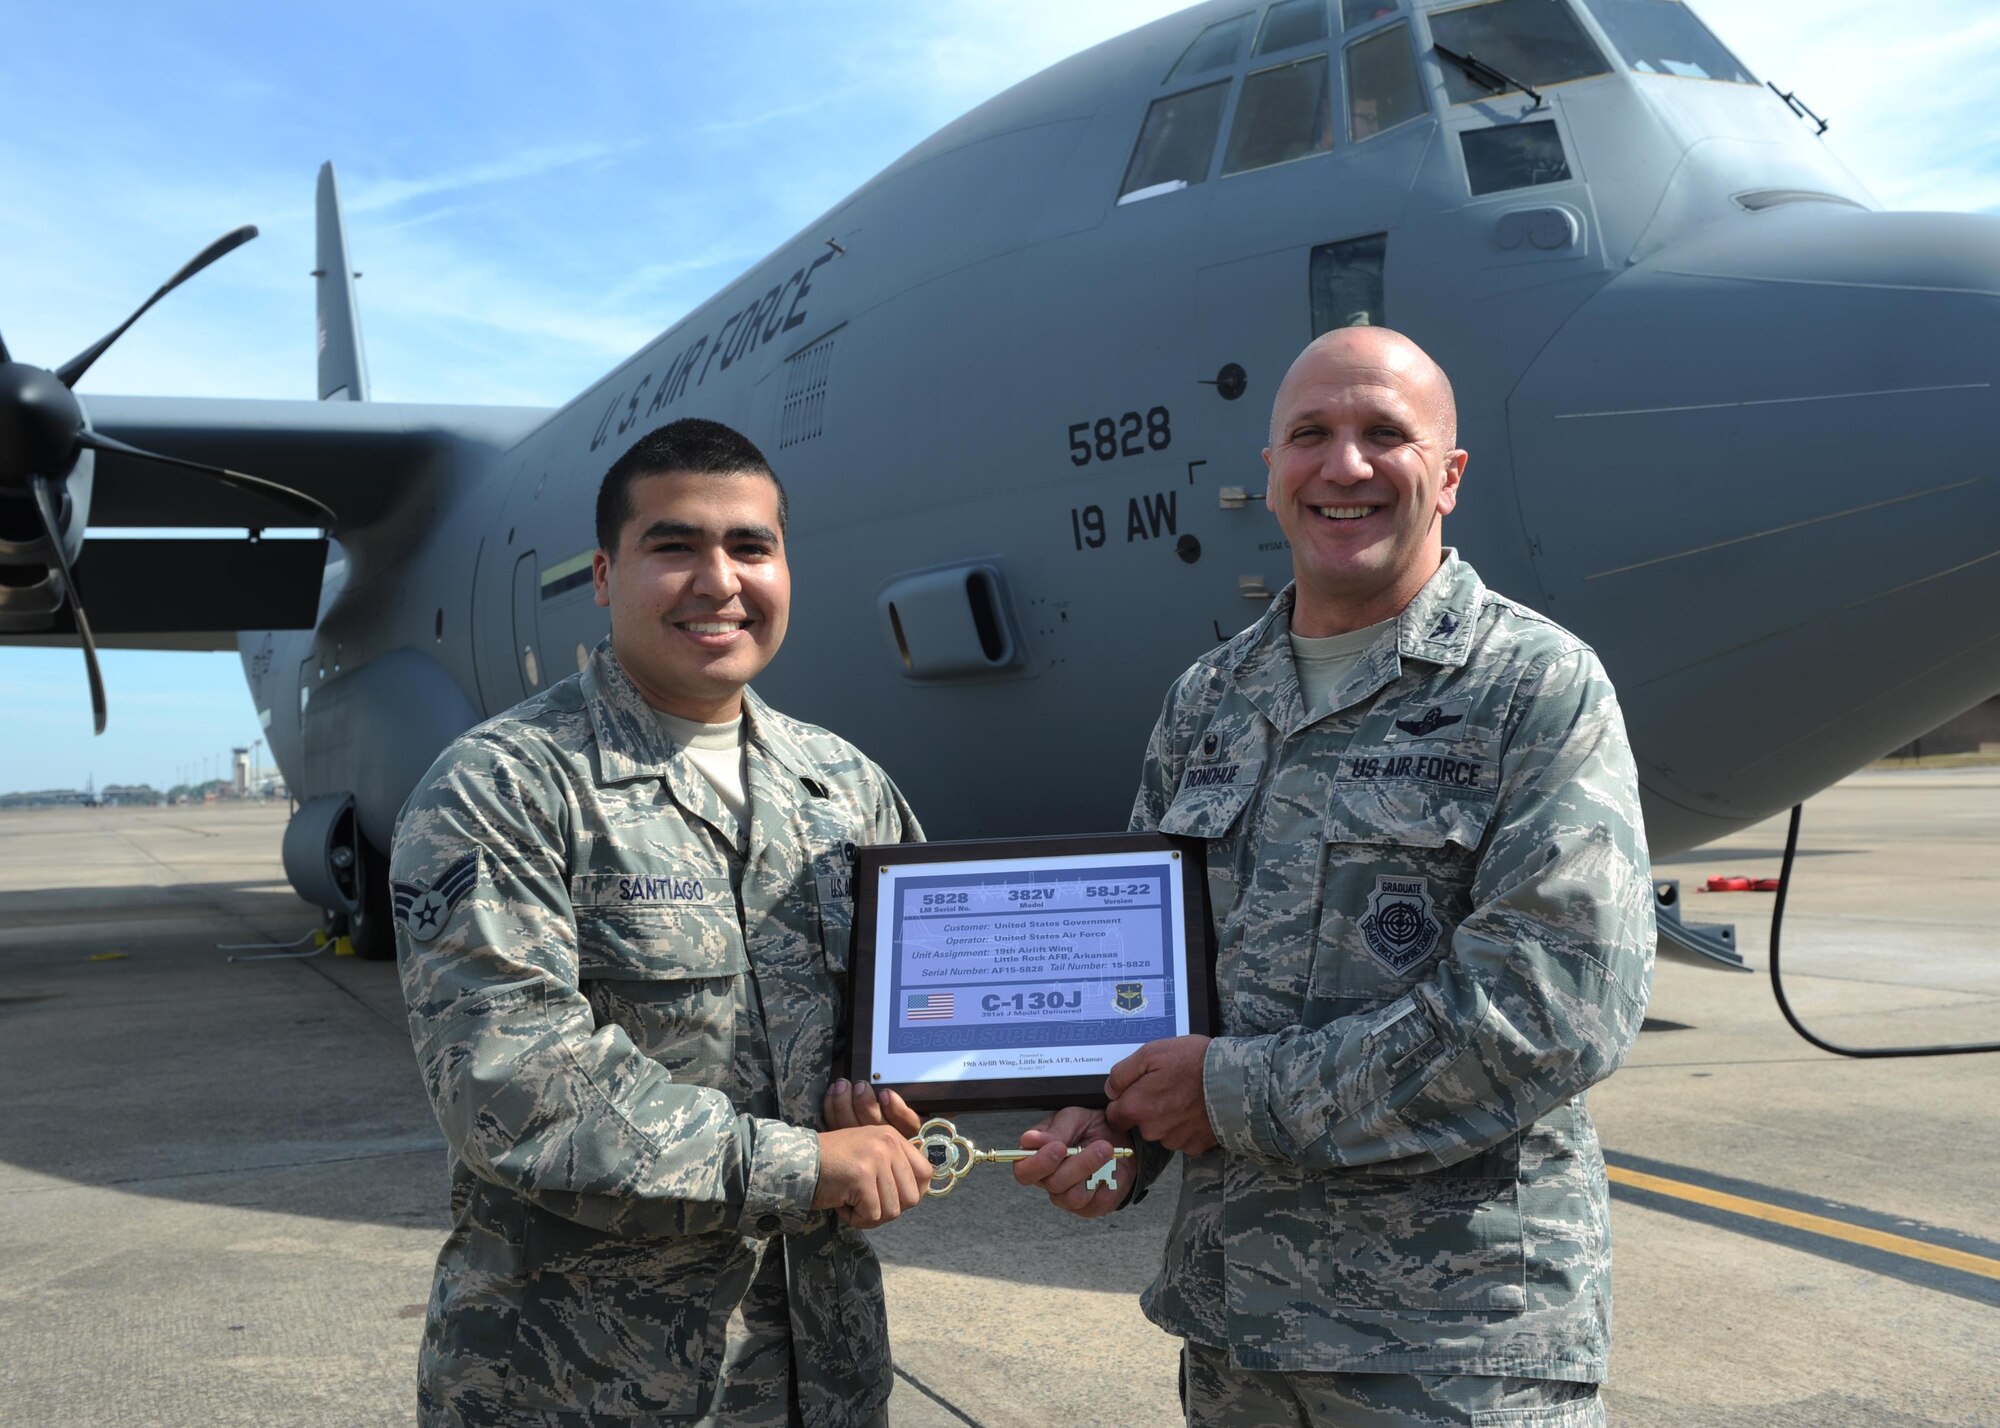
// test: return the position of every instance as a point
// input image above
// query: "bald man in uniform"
(1434, 924)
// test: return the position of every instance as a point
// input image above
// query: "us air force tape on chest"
(1015, 973)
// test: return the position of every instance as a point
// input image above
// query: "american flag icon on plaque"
(929, 1006)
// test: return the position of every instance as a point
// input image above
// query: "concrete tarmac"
(221, 1189)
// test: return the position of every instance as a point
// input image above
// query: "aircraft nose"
(1758, 472)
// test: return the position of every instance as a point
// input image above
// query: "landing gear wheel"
(372, 924)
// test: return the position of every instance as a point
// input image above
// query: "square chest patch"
(1401, 928)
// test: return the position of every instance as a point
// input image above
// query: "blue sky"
(535, 191)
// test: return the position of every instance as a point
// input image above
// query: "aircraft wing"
(357, 457)
(164, 591)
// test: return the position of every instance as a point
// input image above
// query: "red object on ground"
(1741, 884)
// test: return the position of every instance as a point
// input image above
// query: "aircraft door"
(1251, 319)
(527, 636)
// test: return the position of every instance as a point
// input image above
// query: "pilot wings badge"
(1429, 722)
(423, 910)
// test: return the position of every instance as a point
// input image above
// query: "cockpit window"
(1382, 86)
(1179, 138)
(1513, 156)
(1214, 48)
(1532, 41)
(1284, 114)
(1665, 37)
(1292, 23)
(1356, 13)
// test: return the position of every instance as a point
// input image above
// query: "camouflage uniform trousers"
(756, 1380)
(1220, 1395)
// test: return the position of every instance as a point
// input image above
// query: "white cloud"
(374, 195)
(1908, 92)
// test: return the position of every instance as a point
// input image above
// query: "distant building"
(1976, 731)
(43, 798)
(130, 795)
(124, 795)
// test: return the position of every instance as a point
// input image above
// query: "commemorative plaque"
(1015, 973)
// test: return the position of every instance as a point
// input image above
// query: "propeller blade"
(228, 242)
(45, 506)
(321, 513)
(3, 351)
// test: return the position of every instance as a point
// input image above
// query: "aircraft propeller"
(43, 434)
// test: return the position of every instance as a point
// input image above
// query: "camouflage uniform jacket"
(1435, 928)
(626, 1026)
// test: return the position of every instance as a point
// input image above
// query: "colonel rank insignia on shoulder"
(423, 910)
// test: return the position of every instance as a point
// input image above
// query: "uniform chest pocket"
(1206, 810)
(1395, 883)
(670, 975)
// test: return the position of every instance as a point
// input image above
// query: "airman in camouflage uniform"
(626, 1004)
(1435, 930)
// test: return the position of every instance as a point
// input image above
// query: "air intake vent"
(951, 622)
(804, 412)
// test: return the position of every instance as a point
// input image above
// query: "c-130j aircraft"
(1728, 422)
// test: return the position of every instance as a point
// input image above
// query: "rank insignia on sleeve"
(1401, 927)
(1129, 997)
(423, 910)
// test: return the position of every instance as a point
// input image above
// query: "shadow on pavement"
(164, 1070)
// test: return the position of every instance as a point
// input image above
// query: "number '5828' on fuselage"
(1728, 421)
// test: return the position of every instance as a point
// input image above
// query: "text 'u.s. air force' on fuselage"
(769, 316)
(1728, 421)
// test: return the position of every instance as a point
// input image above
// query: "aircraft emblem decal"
(1401, 927)
(1129, 997)
(423, 910)
(1429, 722)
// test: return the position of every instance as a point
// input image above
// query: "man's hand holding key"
(1069, 1153)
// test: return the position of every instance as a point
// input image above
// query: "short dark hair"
(694, 445)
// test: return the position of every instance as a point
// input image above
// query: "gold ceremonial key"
(952, 1157)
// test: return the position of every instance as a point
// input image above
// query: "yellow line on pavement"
(1812, 1224)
